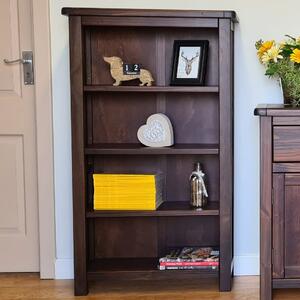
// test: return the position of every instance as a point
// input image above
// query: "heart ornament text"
(157, 132)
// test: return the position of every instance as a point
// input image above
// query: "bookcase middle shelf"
(167, 208)
(152, 89)
(136, 149)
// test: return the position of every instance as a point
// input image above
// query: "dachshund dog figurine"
(116, 71)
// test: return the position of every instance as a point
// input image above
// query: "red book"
(188, 263)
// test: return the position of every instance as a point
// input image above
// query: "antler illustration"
(184, 57)
(189, 62)
(194, 57)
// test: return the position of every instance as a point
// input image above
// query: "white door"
(19, 243)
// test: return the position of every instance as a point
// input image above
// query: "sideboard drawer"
(286, 143)
(291, 121)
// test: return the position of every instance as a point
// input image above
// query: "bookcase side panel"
(226, 152)
(78, 158)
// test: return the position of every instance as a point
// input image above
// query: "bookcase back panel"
(150, 47)
(117, 117)
(171, 34)
(152, 236)
(179, 169)
(176, 168)
(195, 117)
(132, 45)
(131, 164)
(125, 237)
(187, 231)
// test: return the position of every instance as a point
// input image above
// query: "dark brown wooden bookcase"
(105, 119)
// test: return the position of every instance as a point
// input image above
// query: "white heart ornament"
(157, 132)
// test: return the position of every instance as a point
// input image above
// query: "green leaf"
(272, 70)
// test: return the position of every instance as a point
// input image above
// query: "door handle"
(27, 61)
(19, 60)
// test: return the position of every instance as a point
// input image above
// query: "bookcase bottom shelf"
(140, 269)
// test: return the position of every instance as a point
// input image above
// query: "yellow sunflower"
(265, 47)
(295, 56)
(272, 54)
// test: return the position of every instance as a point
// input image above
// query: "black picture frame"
(198, 78)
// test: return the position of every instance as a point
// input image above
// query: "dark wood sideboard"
(105, 119)
(280, 198)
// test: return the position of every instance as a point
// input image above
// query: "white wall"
(258, 19)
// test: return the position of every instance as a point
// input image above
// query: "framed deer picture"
(189, 62)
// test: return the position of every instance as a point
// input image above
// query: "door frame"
(44, 136)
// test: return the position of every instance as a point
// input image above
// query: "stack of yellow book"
(127, 191)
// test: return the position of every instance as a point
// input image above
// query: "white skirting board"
(64, 268)
(243, 265)
(246, 265)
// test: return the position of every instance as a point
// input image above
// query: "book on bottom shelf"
(190, 258)
(162, 268)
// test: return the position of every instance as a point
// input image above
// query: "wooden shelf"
(140, 268)
(167, 209)
(138, 149)
(152, 89)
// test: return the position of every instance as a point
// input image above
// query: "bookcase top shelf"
(152, 89)
(224, 14)
(166, 209)
(138, 149)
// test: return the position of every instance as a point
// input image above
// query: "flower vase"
(287, 89)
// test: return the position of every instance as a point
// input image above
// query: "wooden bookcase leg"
(226, 153)
(225, 284)
(80, 287)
